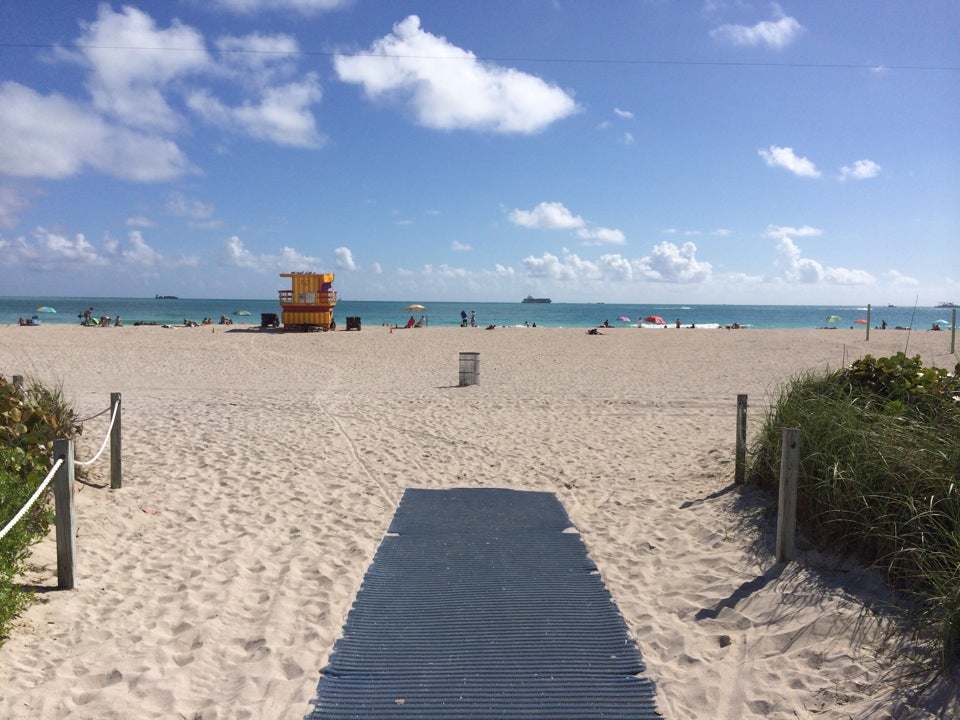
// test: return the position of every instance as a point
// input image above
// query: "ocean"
(447, 314)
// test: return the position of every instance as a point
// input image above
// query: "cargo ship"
(947, 305)
(532, 299)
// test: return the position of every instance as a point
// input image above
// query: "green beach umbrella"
(242, 312)
(46, 308)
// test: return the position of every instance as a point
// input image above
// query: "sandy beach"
(261, 471)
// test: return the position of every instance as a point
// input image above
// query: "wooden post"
(740, 462)
(868, 321)
(787, 509)
(116, 476)
(65, 520)
(953, 332)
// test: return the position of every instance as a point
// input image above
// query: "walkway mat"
(482, 603)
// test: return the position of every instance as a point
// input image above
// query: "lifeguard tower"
(308, 304)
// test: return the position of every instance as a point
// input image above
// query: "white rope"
(23, 510)
(103, 447)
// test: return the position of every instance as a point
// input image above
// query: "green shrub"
(880, 475)
(30, 420)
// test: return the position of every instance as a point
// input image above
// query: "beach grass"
(30, 419)
(880, 477)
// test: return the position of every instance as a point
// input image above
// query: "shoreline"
(261, 472)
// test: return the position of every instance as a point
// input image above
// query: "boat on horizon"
(165, 297)
(532, 299)
(946, 304)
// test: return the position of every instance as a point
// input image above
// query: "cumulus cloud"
(343, 259)
(666, 263)
(14, 200)
(52, 137)
(799, 269)
(458, 246)
(785, 157)
(257, 59)
(281, 115)
(179, 205)
(448, 88)
(898, 278)
(670, 263)
(236, 254)
(861, 170)
(776, 33)
(131, 60)
(625, 114)
(556, 216)
(547, 216)
(50, 251)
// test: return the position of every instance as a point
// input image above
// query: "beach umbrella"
(655, 319)
(623, 318)
(860, 321)
(242, 312)
(415, 308)
(46, 308)
(833, 319)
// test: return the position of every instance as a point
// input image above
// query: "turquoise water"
(447, 314)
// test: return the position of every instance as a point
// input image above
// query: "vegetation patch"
(31, 418)
(880, 476)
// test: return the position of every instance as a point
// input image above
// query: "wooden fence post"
(65, 519)
(740, 462)
(787, 508)
(868, 322)
(116, 475)
(953, 332)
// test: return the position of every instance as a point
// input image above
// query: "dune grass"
(30, 420)
(880, 476)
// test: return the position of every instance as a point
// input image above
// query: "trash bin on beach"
(353, 322)
(469, 368)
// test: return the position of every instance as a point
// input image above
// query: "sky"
(630, 151)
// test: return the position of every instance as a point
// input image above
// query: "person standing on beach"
(463, 318)
(473, 318)
(86, 316)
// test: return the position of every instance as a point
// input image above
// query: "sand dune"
(262, 469)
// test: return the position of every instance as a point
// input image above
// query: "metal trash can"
(469, 368)
(353, 322)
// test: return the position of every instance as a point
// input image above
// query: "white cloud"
(49, 251)
(131, 59)
(448, 88)
(258, 59)
(139, 221)
(13, 201)
(458, 246)
(785, 157)
(377, 268)
(625, 114)
(775, 34)
(179, 206)
(282, 114)
(627, 138)
(804, 270)
(547, 216)
(861, 170)
(52, 137)
(556, 216)
(669, 263)
(601, 236)
(303, 7)
(288, 260)
(898, 278)
(343, 259)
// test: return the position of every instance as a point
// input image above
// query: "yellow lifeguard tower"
(308, 304)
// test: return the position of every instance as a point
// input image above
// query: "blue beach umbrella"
(46, 308)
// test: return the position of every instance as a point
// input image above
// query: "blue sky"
(631, 151)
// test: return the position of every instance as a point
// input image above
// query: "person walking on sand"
(86, 316)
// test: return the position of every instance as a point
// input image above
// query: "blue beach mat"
(478, 605)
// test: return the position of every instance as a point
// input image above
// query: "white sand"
(261, 471)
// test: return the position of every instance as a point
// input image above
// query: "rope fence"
(62, 477)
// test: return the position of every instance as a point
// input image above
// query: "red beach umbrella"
(860, 321)
(655, 319)
(623, 318)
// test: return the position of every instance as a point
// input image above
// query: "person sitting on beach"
(421, 322)
(491, 327)
(22, 321)
(117, 322)
(594, 331)
(936, 326)
(410, 323)
(606, 323)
